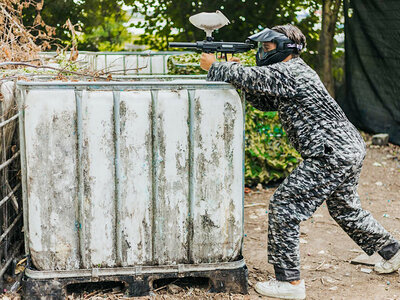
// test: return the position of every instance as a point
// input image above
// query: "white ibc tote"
(126, 174)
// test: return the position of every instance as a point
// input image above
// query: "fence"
(11, 237)
(123, 63)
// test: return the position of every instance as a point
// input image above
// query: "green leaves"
(188, 63)
(166, 20)
(268, 155)
(185, 64)
(102, 23)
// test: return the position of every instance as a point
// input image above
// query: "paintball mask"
(284, 47)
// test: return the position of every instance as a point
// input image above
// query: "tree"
(101, 22)
(167, 20)
(103, 25)
(330, 14)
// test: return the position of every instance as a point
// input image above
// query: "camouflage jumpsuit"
(332, 150)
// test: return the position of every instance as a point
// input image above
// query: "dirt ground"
(326, 250)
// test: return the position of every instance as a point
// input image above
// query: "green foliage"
(107, 36)
(188, 63)
(101, 22)
(65, 63)
(167, 20)
(185, 64)
(268, 154)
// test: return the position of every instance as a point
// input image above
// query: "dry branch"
(60, 70)
(18, 43)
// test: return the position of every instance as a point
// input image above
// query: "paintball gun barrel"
(215, 47)
(212, 47)
(209, 22)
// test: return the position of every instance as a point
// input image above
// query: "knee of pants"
(282, 213)
(335, 211)
(342, 213)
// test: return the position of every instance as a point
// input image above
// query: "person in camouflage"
(331, 147)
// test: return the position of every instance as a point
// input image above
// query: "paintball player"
(331, 147)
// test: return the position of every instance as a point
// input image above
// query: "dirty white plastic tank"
(133, 173)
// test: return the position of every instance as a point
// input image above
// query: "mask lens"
(263, 47)
(261, 50)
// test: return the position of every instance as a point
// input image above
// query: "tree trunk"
(330, 12)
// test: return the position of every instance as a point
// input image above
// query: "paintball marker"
(209, 22)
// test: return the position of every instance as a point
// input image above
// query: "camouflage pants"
(303, 191)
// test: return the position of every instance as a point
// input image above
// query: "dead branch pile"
(7, 110)
(18, 42)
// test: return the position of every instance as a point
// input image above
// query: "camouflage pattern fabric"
(332, 149)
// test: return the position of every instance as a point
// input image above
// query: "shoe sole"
(386, 271)
(280, 297)
(394, 268)
(383, 271)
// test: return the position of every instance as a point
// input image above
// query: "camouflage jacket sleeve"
(261, 102)
(263, 86)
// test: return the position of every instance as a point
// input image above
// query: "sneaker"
(281, 289)
(388, 266)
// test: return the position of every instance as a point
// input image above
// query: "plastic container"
(127, 174)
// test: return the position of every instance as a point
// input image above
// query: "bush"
(185, 64)
(268, 155)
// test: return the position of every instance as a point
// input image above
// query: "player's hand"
(230, 58)
(206, 60)
(234, 59)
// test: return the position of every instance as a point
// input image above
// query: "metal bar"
(151, 64)
(191, 99)
(124, 63)
(8, 196)
(105, 63)
(13, 198)
(154, 100)
(137, 64)
(125, 78)
(79, 206)
(163, 62)
(21, 96)
(10, 160)
(9, 120)
(3, 177)
(150, 53)
(141, 85)
(117, 159)
(95, 57)
(10, 227)
(14, 253)
(243, 98)
(135, 270)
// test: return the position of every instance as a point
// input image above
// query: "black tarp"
(372, 53)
